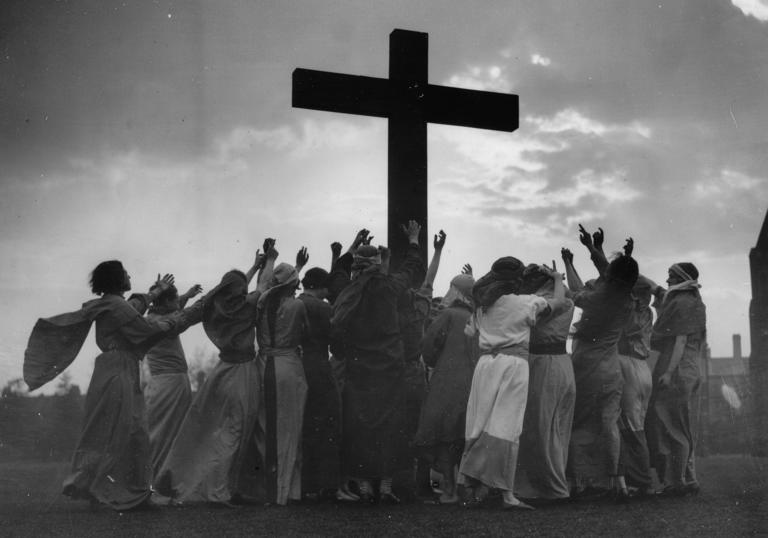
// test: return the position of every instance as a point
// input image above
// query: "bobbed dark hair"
(108, 277)
(315, 278)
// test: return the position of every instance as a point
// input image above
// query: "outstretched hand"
(197, 289)
(567, 256)
(336, 249)
(584, 237)
(271, 253)
(269, 243)
(439, 241)
(598, 237)
(359, 238)
(466, 270)
(164, 283)
(302, 257)
(629, 247)
(412, 231)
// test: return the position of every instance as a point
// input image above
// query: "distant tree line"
(47, 427)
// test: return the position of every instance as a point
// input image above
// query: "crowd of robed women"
(366, 386)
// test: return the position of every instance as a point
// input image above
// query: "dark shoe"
(673, 491)
(147, 505)
(367, 498)
(344, 495)
(621, 496)
(692, 489)
(389, 498)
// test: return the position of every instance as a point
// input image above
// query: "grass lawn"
(732, 503)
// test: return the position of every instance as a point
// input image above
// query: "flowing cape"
(56, 341)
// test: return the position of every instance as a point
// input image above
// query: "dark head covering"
(228, 318)
(366, 256)
(504, 278)
(315, 278)
(622, 270)
(685, 270)
(533, 279)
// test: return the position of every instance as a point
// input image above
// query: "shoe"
(345, 495)
(621, 496)
(367, 498)
(673, 491)
(226, 504)
(692, 489)
(389, 498)
(147, 505)
(520, 505)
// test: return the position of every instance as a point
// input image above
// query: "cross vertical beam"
(407, 141)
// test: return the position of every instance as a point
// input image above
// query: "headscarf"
(460, 291)
(285, 279)
(682, 311)
(364, 257)
(689, 275)
(228, 318)
(533, 279)
(504, 278)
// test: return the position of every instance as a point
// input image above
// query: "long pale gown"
(497, 400)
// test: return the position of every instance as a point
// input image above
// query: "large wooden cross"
(409, 102)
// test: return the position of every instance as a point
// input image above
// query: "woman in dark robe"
(679, 335)
(111, 464)
(321, 433)
(595, 445)
(452, 355)
(365, 333)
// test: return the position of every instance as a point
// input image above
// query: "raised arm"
(197, 289)
(412, 261)
(258, 263)
(434, 264)
(558, 303)
(574, 281)
(594, 244)
(335, 253)
(141, 301)
(266, 273)
(302, 257)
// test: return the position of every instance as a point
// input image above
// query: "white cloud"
(570, 119)
(538, 59)
(725, 185)
(756, 8)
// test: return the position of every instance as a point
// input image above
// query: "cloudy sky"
(161, 133)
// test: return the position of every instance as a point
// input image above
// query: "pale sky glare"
(162, 134)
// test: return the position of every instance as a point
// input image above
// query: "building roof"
(728, 366)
